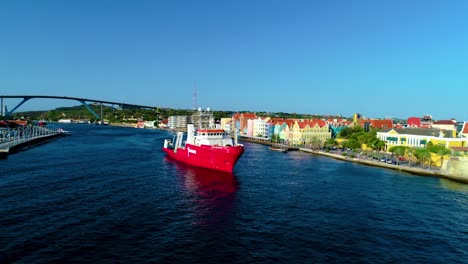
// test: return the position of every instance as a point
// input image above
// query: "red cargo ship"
(207, 148)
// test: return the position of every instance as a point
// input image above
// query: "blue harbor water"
(109, 195)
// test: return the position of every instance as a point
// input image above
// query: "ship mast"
(195, 95)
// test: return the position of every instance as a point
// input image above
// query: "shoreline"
(412, 170)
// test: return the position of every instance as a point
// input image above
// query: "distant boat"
(104, 123)
(280, 149)
(64, 132)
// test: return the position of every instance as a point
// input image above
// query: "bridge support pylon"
(102, 120)
(89, 108)
(25, 99)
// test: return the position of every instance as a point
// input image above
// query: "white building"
(175, 122)
(261, 127)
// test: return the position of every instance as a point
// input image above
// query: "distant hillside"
(115, 115)
(111, 114)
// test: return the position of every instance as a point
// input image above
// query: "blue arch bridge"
(85, 101)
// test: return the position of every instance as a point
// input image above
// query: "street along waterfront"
(109, 194)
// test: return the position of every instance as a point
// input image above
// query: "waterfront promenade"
(434, 171)
(411, 169)
(414, 169)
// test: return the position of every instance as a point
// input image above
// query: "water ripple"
(107, 195)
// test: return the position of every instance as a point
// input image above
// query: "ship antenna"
(195, 95)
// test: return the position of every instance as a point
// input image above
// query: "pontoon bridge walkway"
(12, 140)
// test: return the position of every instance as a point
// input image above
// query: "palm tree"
(442, 153)
(410, 153)
(399, 151)
(422, 154)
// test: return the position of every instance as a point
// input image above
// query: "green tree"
(348, 132)
(443, 152)
(351, 143)
(316, 143)
(399, 151)
(422, 154)
(275, 138)
(330, 143)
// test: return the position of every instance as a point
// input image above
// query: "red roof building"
(445, 122)
(414, 122)
(464, 131)
(376, 123)
(319, 122)
(243, 118)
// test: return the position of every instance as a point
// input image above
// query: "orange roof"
(289, 122)
(248, 115)
(465, 128)
(445, 122)
(303, 124)
(319, 122)
(386, 123)
(276, 119)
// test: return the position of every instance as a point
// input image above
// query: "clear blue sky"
(379, 58)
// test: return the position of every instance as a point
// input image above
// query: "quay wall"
(255, 140)
(457, 168)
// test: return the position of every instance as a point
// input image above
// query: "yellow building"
(310, 132)
(226, 124)
(419, 137)
(357, 119)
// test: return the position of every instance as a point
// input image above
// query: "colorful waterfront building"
(226, 124)
(283, 130)
(310, 132)
(376, 123)
(261, 127)
(272, 122)
(249, 129)
(419, 137)
(446, 124)
(336, 125)
(464, 130)
(357, 119)
(413, 122)
(241, 120)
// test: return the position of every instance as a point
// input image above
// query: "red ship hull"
(210, 157)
